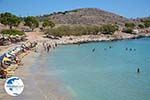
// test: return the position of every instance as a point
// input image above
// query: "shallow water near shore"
(107, 73)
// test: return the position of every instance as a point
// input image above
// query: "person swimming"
(93, 50)
(78, 44)
(130, 49)
(134, 49)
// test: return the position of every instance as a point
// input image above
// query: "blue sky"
(127, 8)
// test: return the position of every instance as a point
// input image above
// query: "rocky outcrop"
(97, 38)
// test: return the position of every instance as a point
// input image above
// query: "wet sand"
(39, 84)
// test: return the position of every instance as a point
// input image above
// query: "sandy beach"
(39, 84)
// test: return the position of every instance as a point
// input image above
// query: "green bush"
(147, 23)
(77, 30)
(66, 30)
(141, 26)
(108, 29)
(130, 25)
(12, 32)
(127, 30)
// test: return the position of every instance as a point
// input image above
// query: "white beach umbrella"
(7, 55)
(12, 52)
(17, 49)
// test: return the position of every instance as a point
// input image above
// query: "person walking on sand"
(55, 44)
(48, 48)
(44, 46)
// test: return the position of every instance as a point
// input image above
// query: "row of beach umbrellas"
(11, 56)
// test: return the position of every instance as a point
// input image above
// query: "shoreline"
(94, 41)
(65, 40)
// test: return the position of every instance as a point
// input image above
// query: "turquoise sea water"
(106, 74)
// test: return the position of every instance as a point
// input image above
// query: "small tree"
(9, 19)
(32, 22)
(48, 23)
(130, 25)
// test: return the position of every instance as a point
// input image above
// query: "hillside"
(85, 16)
(145, 18)
(1, 26)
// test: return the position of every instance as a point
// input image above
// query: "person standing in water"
(138, 70)
(48, 47)
(78, 44)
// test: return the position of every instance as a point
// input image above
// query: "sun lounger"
(12, 68)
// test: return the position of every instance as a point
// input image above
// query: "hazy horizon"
(129, 9)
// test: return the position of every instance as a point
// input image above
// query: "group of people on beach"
(47, 46)
(12, 57)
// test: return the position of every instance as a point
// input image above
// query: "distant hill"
(86, 16)
(145, 18)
